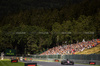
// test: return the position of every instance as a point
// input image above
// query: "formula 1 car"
(67, 62)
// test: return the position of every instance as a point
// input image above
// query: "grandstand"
(73, 48)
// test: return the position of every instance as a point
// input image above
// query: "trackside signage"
(10, 52)
(30, 64)
(92, 63)
(14, 61)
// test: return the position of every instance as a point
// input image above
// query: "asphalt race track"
(40, 63)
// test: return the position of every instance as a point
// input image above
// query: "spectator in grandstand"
(71, 49)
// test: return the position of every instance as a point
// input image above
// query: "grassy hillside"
(93, 50)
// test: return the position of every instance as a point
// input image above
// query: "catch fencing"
(74, 57)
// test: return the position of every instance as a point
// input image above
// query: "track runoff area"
(17, 62)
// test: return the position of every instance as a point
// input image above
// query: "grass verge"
(7, 62)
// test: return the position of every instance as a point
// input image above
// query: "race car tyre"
(62, 62)
(72, 62)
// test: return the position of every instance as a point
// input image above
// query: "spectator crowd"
(72, 48)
